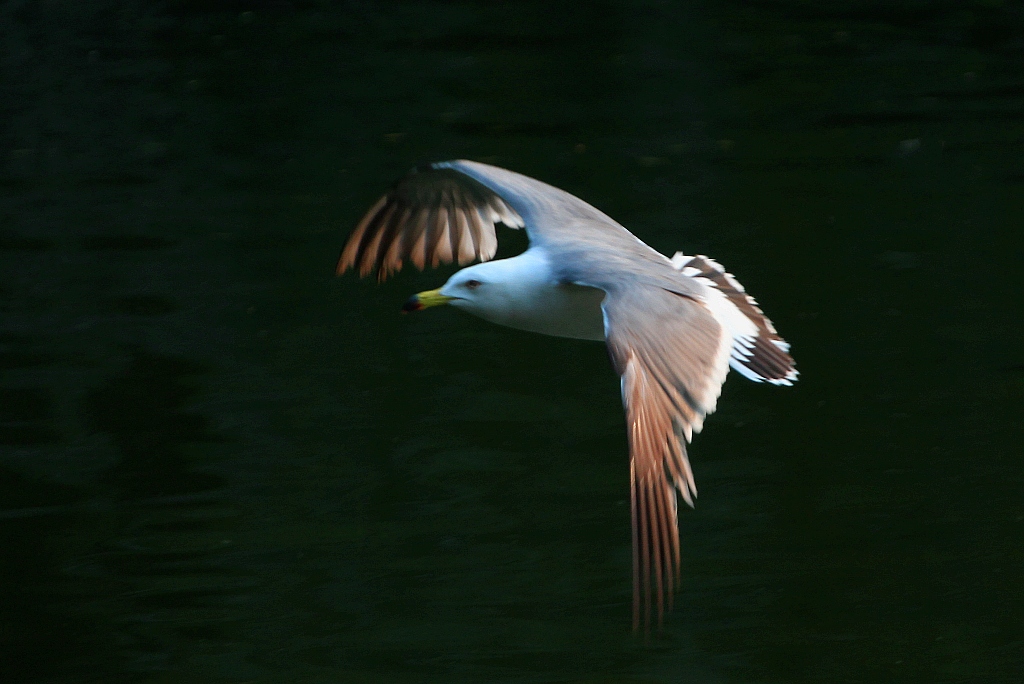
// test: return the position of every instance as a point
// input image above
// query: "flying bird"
(673, 326)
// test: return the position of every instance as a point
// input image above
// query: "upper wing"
(433, 215)
(673, 357)
(447, 211)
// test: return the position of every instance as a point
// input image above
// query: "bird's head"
(475, 288)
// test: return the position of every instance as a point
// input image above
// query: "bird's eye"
(472, 284)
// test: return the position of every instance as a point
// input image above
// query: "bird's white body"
(522, 292)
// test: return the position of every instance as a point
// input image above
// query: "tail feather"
(762, 356)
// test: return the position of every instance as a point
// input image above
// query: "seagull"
(673, 327)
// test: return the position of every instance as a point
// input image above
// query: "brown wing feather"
(439, 230)
(464, 247)
(673, 357)
(432, 216)
(376, 231)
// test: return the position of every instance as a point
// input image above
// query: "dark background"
(221, 464)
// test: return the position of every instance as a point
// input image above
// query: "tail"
(758, 352)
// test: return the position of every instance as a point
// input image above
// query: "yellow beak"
(425, 300)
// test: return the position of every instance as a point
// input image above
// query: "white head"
(493, 290)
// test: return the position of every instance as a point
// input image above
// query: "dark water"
(221, 464)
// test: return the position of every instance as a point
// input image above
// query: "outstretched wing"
(673, 357)
(432, 216)
(446, 211)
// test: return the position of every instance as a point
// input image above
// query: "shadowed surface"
(218, 463)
